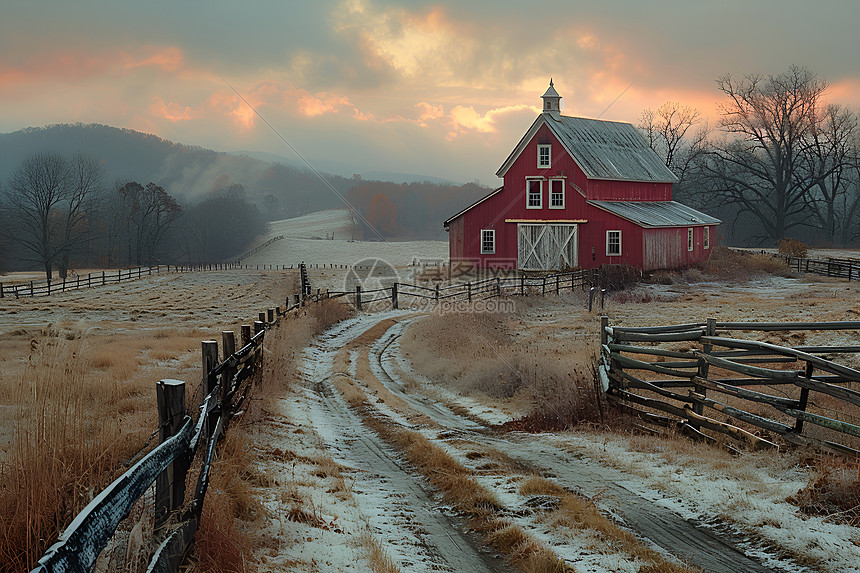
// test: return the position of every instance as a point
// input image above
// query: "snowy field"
(324, 238)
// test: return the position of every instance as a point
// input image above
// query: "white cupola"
(551, 100)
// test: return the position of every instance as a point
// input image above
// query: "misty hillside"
(187, 173)
(191, 174)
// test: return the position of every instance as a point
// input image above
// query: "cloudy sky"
(443, 89)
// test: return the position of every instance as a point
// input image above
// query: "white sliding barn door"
(546, 246)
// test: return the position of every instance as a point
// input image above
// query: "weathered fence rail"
(830, 267)
(226, 386)
(651, 366)
(496, 286)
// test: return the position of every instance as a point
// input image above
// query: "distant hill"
(186, 172)
(281, 190)
(346, 169)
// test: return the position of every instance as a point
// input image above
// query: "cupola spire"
(551, 100)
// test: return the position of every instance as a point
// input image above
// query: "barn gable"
(607, 150)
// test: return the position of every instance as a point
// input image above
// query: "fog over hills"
(281, 187)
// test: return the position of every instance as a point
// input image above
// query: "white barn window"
(534, 193)
(544, 156)
(690, 239)
(706, 243)
(488, 241)
(556, 193)
(613, 243)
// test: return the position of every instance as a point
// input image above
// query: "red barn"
(580, 193)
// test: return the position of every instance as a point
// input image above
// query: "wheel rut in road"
(406, 509)
(691, 542)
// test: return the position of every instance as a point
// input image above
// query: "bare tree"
(146, 214)
(827, 161)
(84, 189)
(668, 133)
(37, 190)
(770, 123)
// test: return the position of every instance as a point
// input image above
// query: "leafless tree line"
(56, 211)
(780, 157)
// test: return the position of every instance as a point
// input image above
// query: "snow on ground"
(323, 241)
(317, 225)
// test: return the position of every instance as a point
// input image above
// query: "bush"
(619, 277)
(833, 491)
(729, 265)
(793, 248)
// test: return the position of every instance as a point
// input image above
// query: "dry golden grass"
(833, 491)
(58, 448)
(379, 561)
(328, 312)
(577, 512)
(62, 452)
(469, 498)
(537, 485)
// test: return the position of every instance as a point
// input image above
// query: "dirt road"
(418, 533)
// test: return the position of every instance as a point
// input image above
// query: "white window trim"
(548, 147)
(540, 195)
(561, 183)
(492, 233)
(618, 254)
(690, 239)
(707, 241)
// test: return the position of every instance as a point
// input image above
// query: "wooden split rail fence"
(493, 287)
(226, 387)
(751, 390)
(102, 278)
(831, 267)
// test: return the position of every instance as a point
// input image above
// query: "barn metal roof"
(608, 150)
(656, 213)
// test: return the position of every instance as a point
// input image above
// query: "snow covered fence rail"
(497, 286)
(260, 247)
(651, 366)
(226, 385)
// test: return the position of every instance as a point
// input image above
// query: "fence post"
(228, 340)
(469, 291)
(543, 286)
(210, 360)
(499, 286)
(262, 317)
(804, 399)
(591, 298)
(710, 330)
(522, 285)
(602, 298)
(437, 292)
(298, 299)
(394, 296)
(1, 290)
(604, 336)
(358, 297)
(103, 278)
(170, 484)
(557, 279)
(270, 315)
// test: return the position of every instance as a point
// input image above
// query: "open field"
(77, 381)
(396, 440)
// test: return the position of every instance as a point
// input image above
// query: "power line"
(306, 162)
